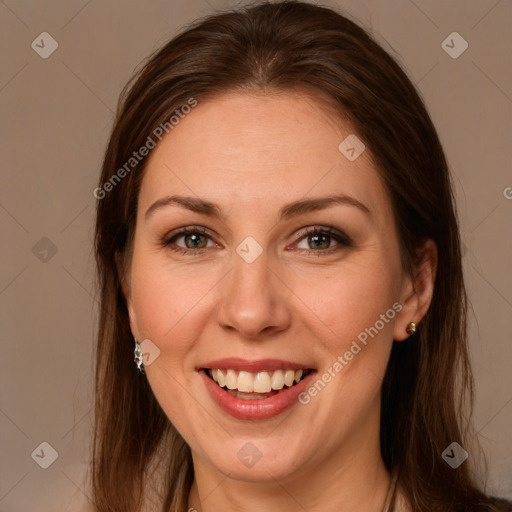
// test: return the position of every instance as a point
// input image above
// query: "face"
(271, 277)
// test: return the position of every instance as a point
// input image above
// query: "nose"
(254, 300)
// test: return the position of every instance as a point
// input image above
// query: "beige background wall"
(56, 117)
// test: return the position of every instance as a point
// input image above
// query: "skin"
(251, 154)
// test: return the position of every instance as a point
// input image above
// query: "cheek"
(166, 302)
(354, 319)
(349, 301)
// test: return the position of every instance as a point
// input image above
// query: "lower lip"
(255, 409)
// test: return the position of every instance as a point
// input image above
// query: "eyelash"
(340, 237)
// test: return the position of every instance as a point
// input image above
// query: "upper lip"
(258, 365)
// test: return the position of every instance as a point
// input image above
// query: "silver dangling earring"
(411, 328)
(138, 357)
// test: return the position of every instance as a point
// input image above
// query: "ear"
(417, 291)
(127, 293)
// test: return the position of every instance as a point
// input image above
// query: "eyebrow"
(286, 212)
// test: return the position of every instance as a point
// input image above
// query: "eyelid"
(341, 238)
(184, 231)
(319, 229)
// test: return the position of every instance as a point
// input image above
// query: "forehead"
(263, 147)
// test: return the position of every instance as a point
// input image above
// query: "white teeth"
(261, 382)
(231, 379)
(278, 380)
(289, 377)
(245, 382)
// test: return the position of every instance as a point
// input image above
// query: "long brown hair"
(427, 392)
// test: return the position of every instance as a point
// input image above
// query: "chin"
(261, 460)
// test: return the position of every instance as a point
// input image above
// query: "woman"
(278, 252)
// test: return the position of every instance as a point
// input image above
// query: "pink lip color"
(255, 409)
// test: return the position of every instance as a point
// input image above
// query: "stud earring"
(138, 357)
(411, 328)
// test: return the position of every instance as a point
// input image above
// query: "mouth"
(255, 390)
(256, 385)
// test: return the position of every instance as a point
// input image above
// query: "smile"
(256, 385)
(255, 390)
